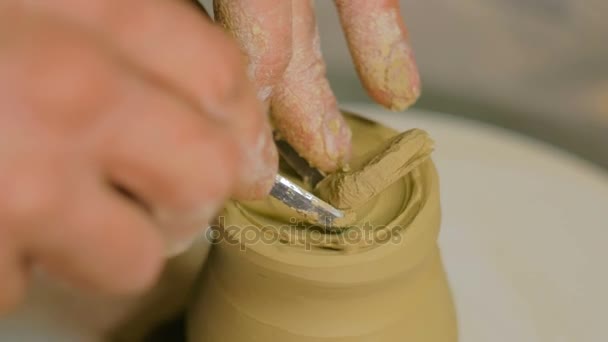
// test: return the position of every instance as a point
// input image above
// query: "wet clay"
(377, 170)
(273, 277)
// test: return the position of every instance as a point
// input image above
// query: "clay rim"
(424, 182)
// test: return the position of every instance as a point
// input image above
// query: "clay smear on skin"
(253, 40)
(387, 61)
(249, 34)
(305, 108)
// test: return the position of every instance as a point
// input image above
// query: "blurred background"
(538, 67)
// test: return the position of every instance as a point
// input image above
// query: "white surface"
(524, 232)
(524, 237)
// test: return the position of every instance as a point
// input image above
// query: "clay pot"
(277, 288)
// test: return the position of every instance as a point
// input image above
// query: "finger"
(263, 32)
(104, 243)
(378, 42)
(180, 164)
(304, 108)
(61, 216)
(175, 47)
(184, 194)
(218, 73)
(30, 197)
(139, 117)
(261, 161)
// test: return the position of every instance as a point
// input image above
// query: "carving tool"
(309, 174)
(313, 208)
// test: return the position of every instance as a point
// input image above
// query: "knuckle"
(309, 70)
(272, 65)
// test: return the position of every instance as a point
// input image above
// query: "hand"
(281, 41)
(124, 125)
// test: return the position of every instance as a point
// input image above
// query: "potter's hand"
(123, 128)
(282, 43)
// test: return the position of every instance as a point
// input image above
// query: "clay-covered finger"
(263, 31)
(303, 106)
(378, 42)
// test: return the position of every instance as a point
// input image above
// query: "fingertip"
(254, 190)
(323, 138)
(378, 41)
(259, 168)
(400, 88)
(334, 151)
(140, 268)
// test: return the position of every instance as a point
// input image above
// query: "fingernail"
(397, 75)
(402, 80)
(337, 140)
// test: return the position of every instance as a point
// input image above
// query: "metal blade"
(309, 174)
(315, 209)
